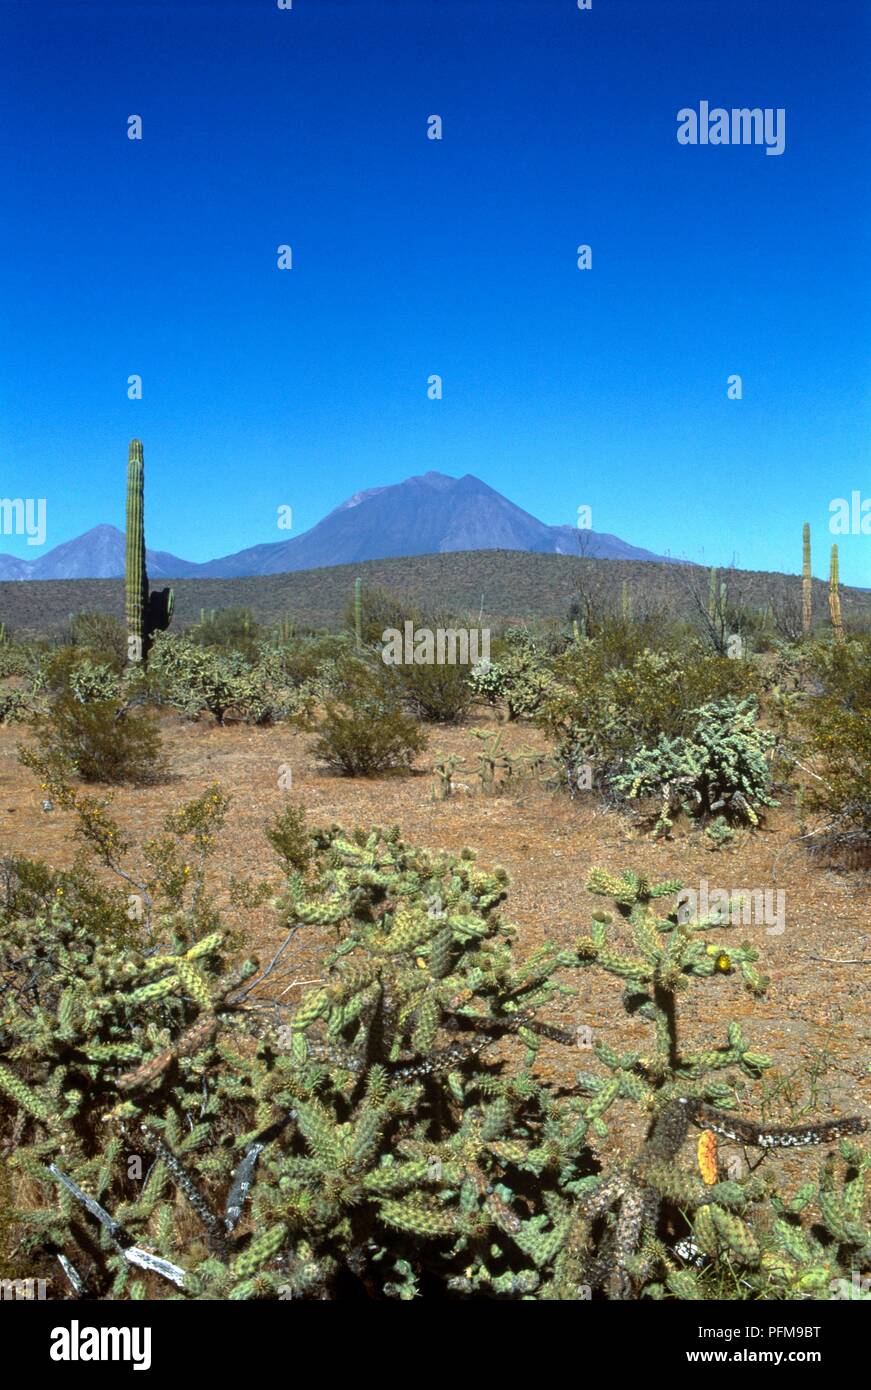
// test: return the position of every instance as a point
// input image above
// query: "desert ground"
(814, 1022)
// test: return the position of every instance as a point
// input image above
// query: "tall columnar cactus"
(358, 612)
(146, 613)
(625, 603)
(835, 597)
(713, 592)
(806, 581)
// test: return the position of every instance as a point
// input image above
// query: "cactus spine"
(806, 581)
(835, 597)
(145, 613)
(358, 612)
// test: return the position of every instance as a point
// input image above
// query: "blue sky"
(607, 387)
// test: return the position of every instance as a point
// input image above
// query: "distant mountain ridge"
(426, 515)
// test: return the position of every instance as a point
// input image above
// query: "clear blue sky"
(457, 257)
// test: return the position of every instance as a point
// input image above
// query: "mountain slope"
(428, 515)
(98, 554)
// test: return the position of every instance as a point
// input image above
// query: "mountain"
(98, 554)
(428, 515)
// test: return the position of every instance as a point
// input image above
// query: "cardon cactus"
(835, 597)
(146, 613)
(806, 581)
(358, 612)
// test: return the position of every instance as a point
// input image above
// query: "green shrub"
(196, 679)
(101, 638)
(15, 706)
(233, 629)
(101, 741)
(88, 681)
(438, 692)
(519, 676)
(723, 766)
(837, 723)
(289, 837)
(365, 729)
(601, 714)
(379, 610)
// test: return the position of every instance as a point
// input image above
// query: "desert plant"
(520, 675)
(437, 692)
(197, 679)
(836, 720)
(15, 706)
(807, 583)
(232, 629)
(290, 838)
(835, 597)
(372, 1141)
(100, 740)
(601, 708)
(365, 730)
(722, 767)
(146, 612)
(89, 681)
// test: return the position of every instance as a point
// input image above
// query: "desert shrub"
(365, 730)
(197, 679)
(232, 629)
(15, 706)
(289, 836)
(57, 666)
(88, 681)
(723, 766)
(30, 888)
(600, 714)
(101, 638)
(372, 1142)
(519, 676)
(836, 720)
(308, 661)
(379, 609)
(15, 660)
(101, 740)
(439, 693)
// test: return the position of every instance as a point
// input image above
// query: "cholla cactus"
(93, 681)
(388, 1131)
(722, 768)
(676, 1089)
